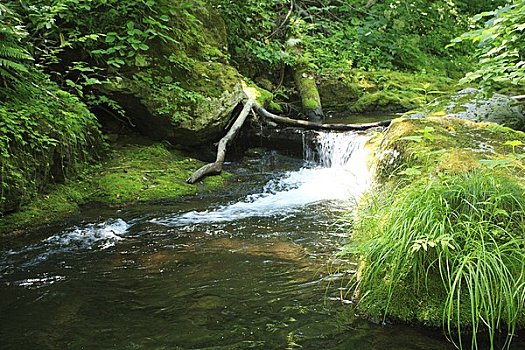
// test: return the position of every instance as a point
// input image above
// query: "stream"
(251, 268)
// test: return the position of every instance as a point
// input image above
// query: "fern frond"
(4, 74)
(12, 65)
(9, 51)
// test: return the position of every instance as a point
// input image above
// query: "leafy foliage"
(46, 135)
(84, 43)
(500, 47)
(337, 34)
(14, 57)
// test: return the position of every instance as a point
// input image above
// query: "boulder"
(444, 187)
(470, 104)
(183, 93)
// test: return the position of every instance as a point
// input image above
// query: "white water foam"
(101, 236)
(336, 170)
(92, 236)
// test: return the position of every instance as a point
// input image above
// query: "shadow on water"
(238, 270)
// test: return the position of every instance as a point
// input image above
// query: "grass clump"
(446, 251)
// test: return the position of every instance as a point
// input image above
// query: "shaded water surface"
(238, 270)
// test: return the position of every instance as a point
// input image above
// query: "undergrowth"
(455, 243)
(46, 134)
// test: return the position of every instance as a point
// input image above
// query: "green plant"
(455, 244)
(14, 57)
(500, 47)
(46, 135)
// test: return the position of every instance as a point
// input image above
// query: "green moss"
(132, 173)
(265, 99)
(451, 146)
(307, 87)
(380, 91)
(340, 94)
(310, 104)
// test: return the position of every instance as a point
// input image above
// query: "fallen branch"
(519, 97)
(316, 126)
(216, 167)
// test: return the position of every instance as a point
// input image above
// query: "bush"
(45, 136)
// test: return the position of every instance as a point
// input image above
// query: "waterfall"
(335, 170)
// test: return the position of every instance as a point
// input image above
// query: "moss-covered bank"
(440, 240)
(131, 173)
(357, 91)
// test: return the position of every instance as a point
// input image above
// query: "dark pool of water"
(141, 278)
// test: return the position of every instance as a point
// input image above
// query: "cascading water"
(335, 169)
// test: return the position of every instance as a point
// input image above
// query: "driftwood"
(316, 126)
(216, 167)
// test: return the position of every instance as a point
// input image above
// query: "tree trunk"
(310, 100)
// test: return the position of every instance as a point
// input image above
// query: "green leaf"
(514, 143)
(410, 172)
(140, 61)
(92, 81)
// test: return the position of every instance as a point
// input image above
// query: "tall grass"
(463, 232)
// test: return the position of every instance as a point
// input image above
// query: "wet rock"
(499, 109)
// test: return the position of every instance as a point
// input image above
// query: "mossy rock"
(358, 91)
(185, 92)
(416, 156)
(446, 145)
(471, 104)
(339, 96)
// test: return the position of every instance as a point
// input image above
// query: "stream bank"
(440, 239)
(138, 171)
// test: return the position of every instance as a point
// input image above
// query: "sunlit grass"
(460, 239)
